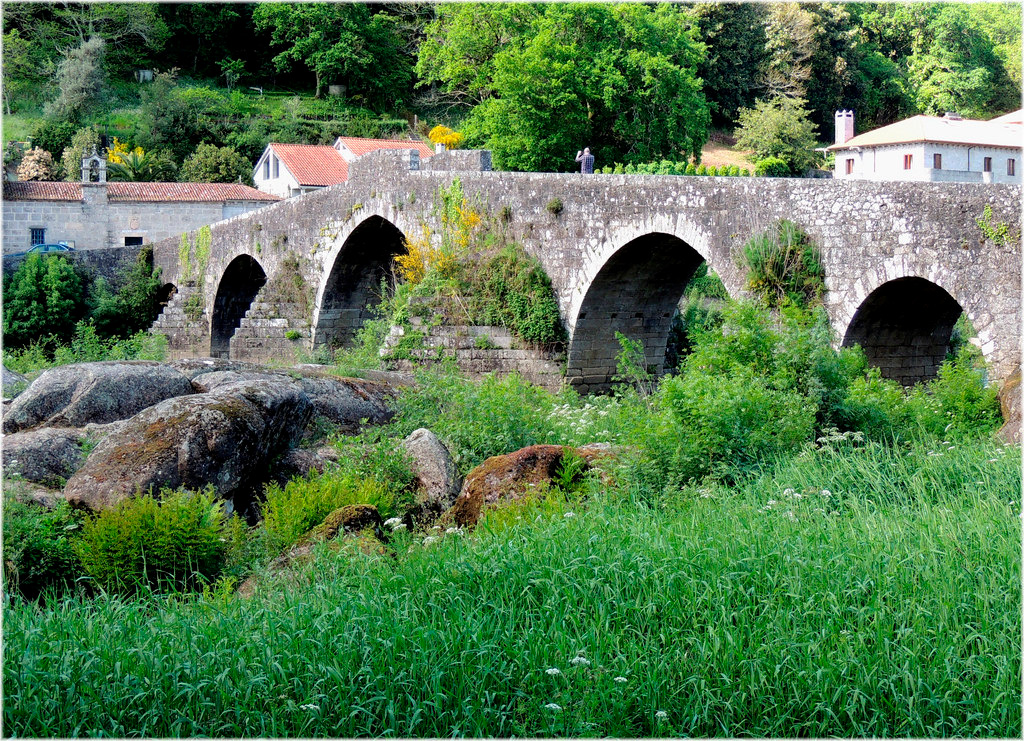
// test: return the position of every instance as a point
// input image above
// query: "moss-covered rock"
(45, 456)
(511, 477)
(225, 438)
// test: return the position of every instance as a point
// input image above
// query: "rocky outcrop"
(192, 367)
(300, 462)
(437, 479)
(344, 401)
(12, 382)
(511, 477)
(1010, 402)
(225, 438)
(74, 395)
(47, 456)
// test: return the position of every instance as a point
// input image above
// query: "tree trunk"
(317, 73)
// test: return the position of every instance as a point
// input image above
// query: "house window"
(937, 161)
(37, 236)
(277, 167)
(133, 241)
(266, 169)
(908, 161)
(988, 164)
(849, 167)
(1011, 167)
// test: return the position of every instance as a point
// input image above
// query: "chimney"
(844, 126)
(953, 116)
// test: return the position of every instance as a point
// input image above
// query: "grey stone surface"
(13, 382)
(225, 438)
(619, 254)
(437, 479)
(45, 456)
(74, 395)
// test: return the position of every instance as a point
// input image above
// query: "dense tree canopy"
(546, 80)
(534, 82)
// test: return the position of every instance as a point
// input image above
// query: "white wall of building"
(271, 176)
(960, 163)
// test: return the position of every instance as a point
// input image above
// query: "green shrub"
(730, 422)
(175, 541)
(54, 135)
(555, 206)
(957, 403)
(691, 169)
(476, 420)
(619, 170)
(39, 550)
(291, 511)
(45, 296)
(772, 167)
(784, 264)
(292, 335)
(702, 170)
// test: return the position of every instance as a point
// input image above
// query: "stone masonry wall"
(869, 234)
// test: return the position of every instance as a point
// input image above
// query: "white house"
(287, 170)
(930, 148)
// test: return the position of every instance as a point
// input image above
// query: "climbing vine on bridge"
(784, 264)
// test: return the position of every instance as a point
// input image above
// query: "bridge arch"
(241, 281)
(633, 288)
(350, 288)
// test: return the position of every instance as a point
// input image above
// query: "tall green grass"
(861, 592)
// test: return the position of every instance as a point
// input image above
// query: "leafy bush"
(39, 547)
(134, 307)
(54, 135)
(784, 264)
(45, 296)
(476, 420)
(779, 128)
(212, 164)
(957, 403)
(772, 167)
(174, 541)
(291, 511)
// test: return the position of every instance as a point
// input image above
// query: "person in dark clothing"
(586, 160)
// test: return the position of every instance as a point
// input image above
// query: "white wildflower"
(789, 515)
(392, 522)
(788, 492)
(661, 715)
(772, 502)
(553, 671)
(580, 661)
(452, 530)
(826, 493)
(553, 706)
(620, 680)
(399, 527)
(430, 539)
(567, 515)
(310, 706)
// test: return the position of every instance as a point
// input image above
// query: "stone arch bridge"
(902, 260)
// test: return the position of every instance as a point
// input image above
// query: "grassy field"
(868, 591)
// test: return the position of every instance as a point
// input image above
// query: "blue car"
(44, 249)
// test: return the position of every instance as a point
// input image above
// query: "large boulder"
(192, 367)
(437, 479)
(74, 395)
(13, 383)
(511, 477)
(47, 456)
(1010, 402)
(344, 401)
(225, 438)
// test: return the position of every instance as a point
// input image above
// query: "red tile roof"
(153, 192)
(185, 192)
(359, 147)
(33, 190)
(312, 164)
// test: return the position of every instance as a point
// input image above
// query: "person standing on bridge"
(586, 160)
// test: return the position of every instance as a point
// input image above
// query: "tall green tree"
(340, 43)
(44, 296)
(212, 164)
(620, 79)
(780, 127)
(734, 34)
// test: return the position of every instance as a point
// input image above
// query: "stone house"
(931, 149)
(288, 170)
(91, 215)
